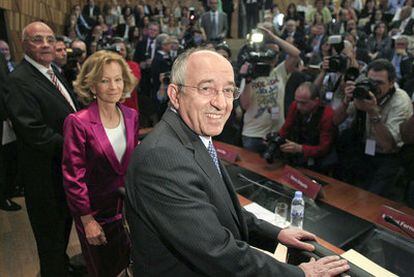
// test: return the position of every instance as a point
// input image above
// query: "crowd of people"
(327, 86)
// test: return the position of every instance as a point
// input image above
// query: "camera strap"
(384, 100)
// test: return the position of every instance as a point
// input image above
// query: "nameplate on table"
(225, 153)
(299, 181)
(391, 217)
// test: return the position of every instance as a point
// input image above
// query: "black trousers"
(8, 169)
(51, 224)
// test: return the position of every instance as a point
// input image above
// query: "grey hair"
(179, 67)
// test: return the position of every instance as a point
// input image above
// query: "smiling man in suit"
(184, 215)
(39, 100)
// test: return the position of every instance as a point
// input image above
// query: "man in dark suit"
(6, 203)
(183, 212)
(214, 23)
(144, 54)
(161, 65)
(38, 102)
(90, 12)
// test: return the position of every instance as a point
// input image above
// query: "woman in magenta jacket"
(98, 142)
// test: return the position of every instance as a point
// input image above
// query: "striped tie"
(213, 154)
(59, 88)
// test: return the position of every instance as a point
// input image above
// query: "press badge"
(370, 147)
(274, 111)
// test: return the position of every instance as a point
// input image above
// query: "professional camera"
(351, 74)
(257, 55)
(192, 17)
(274, 141)
(74, 56)
(338, 62)
(363, 87)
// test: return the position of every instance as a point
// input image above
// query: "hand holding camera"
(363, 94)
(291, 147)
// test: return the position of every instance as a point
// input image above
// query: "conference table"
(352, 214)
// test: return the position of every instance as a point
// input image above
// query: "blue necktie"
(213, 154)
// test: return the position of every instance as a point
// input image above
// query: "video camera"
(274, 141)
(258, 56)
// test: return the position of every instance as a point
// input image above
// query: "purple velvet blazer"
(92, 173)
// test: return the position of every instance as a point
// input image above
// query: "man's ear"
(174, 95)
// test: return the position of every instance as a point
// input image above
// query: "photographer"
(263, 96)
(308, 131)
(370, 147)
(161, 65)
(76, 55)
(337, 69)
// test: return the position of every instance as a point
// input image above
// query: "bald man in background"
(39, 104)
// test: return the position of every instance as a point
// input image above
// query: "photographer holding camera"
(306, 137)
(370, 147)
(263, 96)
(336, 69)
(160, 68)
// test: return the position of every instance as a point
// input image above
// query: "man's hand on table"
(325, 267)
(293, 237)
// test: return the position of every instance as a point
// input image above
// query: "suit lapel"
(234, 199)
(102, 138)
(67, 87)
(45, 83)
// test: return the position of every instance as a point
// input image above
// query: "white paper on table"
(264, 214)
(8, 133)
(366, 264)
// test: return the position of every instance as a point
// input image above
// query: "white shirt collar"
(38, 66)
(205, 140)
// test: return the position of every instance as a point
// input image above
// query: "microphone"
(392, 221)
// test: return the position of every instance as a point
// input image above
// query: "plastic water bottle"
(297, 210)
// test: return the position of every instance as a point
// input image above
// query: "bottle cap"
(298, 194)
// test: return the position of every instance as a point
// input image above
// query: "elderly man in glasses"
(183, 212)
(38, 103)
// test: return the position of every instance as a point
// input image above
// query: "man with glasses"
(369, 148)
(39, 101)
(183, 212)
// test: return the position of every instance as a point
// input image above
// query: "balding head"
(39, 43)
(204, 97)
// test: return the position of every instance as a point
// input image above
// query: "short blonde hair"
(91, 73)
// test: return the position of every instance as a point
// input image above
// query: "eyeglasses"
(208, 91)
(40, 39)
